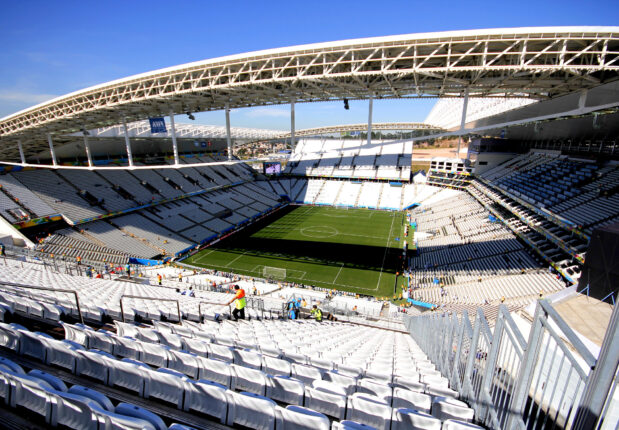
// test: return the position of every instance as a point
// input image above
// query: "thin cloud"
(266, 112)
(23, 97)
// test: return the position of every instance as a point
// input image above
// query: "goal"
(274, 272)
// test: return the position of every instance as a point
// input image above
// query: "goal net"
(274, 272)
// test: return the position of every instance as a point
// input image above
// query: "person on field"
(240, 302)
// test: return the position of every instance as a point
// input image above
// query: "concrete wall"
(9, 235)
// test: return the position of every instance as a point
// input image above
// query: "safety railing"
(547, 380)
(15, 289)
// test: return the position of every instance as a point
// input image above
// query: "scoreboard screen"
(272, 168)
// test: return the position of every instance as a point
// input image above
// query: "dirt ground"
(429, 153)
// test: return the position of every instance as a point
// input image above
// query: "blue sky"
(50, 48)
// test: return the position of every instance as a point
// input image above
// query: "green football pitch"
(356, 250)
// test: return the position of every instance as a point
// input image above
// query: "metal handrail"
(32, 287)
(178, 307)
(515, 382)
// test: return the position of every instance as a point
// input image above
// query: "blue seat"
(9, 364)
(97, 397)
(52, 380)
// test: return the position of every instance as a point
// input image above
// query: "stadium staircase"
(380, 194)
(358, 196)
(402, 198)
(337, 196)
(322, 185)
(21, 205)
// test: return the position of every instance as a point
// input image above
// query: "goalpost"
(274, 273)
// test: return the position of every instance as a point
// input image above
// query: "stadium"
(477, 292)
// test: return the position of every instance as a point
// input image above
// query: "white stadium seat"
(166, 385)
(370, 410)
(208, 398)
(445, 408)
(328, 403)
(251, 410)
(459, 425)
(285, 389)
(366, 385)
(407, 399)
(94, 364)
(250, 380)
(307, 374)
(216, 371)
(410, 419)
(300, 418)
(128, 375)
(275, 366)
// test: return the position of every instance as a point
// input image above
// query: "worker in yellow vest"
(240, 302)
(316, 312)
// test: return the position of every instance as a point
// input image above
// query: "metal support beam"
(128, 143)
(292, 127)
(465, 106)
(88, 153)
(370, 106)
(51, 149)
(21, 152)
(228, 134)
(174, 143)
(582, 100)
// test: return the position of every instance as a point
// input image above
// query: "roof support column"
(174, 143)
(88, 153)
(292, 139)
(21, 152)
(370, 107)
(128, 143)
(465, 106)
(228, 134)
(51, 149)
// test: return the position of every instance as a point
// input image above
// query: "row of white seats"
(248, 408)
(76, 407)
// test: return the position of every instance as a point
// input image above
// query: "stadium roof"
(537, 62)
(399, 126)
(142, 129)
(447, 113)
